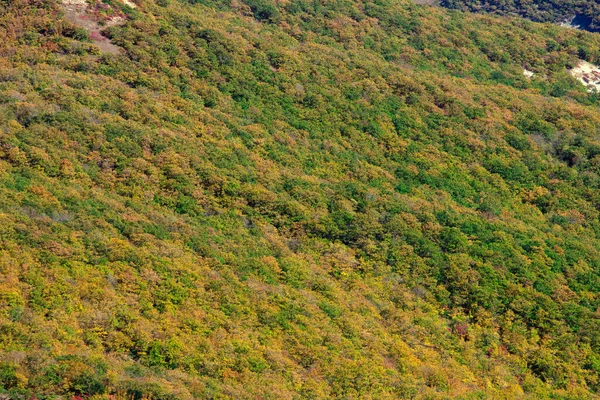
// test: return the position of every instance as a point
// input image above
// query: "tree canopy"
(296, 199)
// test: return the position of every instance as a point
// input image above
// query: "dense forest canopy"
(296, 199)
(585, 13)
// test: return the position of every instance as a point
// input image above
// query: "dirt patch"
(528, 73)
(588, 74)
(79, 13)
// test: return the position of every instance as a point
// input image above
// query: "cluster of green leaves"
(306, 199)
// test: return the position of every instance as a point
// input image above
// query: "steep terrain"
(581, 14)
(304, 199)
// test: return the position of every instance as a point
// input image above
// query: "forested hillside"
(301, 199)
(585, 12)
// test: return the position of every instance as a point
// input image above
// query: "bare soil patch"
(588, 74)
(80, 13)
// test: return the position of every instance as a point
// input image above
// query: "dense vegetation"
(302, 199)
(586, 11)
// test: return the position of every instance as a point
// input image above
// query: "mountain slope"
(303, 199)
(584, 13)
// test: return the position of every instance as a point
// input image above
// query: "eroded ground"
(82, 14)
(588, 74)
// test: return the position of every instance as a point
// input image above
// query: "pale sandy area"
(588, 74)
(130, 3)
